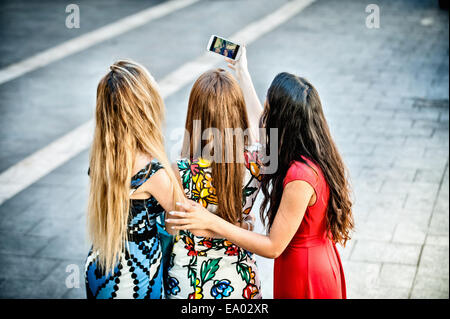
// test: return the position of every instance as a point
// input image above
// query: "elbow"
(274, 253)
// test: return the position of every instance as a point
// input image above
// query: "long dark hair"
(293, 106)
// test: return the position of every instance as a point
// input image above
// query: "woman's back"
(314, 223)
(125, 259)
(138, 273)
(196, 177)
(319, 271)
(216, 268)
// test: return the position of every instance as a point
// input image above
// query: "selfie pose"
(306, 206)
(131, 185)
(204, 267)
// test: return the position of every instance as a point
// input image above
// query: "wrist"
(244, 74)
(215, 223)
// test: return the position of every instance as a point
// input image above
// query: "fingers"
(182, 227)
(178, 221)
(193, 203)
(187, 206)
(233, 62)
(231, 66)
(178, 214)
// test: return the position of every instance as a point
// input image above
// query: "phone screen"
(224, 47)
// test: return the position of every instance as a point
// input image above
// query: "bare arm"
(296, 197)
(162, 191)
(160, 187)
(253, 104)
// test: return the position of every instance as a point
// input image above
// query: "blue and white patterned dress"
(139, 273)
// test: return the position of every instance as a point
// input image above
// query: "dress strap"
(144, 174)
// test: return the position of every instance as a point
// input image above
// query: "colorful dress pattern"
(213, 268)
(139, 272)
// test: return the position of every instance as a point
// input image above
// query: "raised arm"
(296, 197)
(253, 104)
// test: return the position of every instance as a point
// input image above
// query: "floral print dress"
(213, 268)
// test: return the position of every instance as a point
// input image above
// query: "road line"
(29, 170)
(89, 39)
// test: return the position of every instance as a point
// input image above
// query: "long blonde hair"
(129, 117)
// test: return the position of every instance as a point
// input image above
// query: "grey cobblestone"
(65, 247)
(410, 233)
(429, 287)
(377, 251)
(360, 276)
(25, 268)
(13, 243)
(437, 240)
(395, 275)
(428, 265)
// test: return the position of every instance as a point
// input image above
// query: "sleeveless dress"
(139, 272)
(213, 268)
(310, 266)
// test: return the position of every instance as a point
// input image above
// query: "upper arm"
(203, 233)
(294, 202)
(161, 188)
(177, 173)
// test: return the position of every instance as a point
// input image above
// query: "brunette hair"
(293, 106)
(217, 101)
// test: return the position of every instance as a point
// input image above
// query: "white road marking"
(32, 168)
(26, 172)
(91, 38)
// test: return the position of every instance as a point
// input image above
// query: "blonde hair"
(129, 117)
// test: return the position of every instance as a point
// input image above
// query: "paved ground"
(385, 94)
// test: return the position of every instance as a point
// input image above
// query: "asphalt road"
(384, 91)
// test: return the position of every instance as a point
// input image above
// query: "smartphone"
(224, 47)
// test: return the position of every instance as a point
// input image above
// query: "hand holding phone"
(240, 66)
(224, 47)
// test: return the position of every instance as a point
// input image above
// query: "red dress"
(310, 266)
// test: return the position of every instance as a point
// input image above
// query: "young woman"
(131, 186)
(204, 267)
(307, 199)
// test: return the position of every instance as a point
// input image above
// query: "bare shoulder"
(159, 182)
(140, 162)
(298, 190)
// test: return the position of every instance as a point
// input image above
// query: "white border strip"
(26, 172)
(91, 38)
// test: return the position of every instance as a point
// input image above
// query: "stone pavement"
(385, 95)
